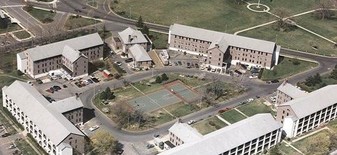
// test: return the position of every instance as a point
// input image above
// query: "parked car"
(50, 90)
(156, 135)
(95, 80)
(118, 63)
(191, 122)
(93, 128)
(56, 88)
(275, 81)
(128, 60)
(65, 86)
(149, 146)
(5, 135)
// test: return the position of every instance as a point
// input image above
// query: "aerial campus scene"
(168, 77)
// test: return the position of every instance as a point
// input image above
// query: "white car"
(93, 128)
(191, 122)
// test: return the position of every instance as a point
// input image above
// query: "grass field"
(74, 22)
(209, 125)
(232, 116)
(221, 15)
(24, 147)
(304, 143)
(41, 15)
(287, 150)
(296, 39)
(286, 68)
(10, 28)
(326, 80)
(255, 107)
(326, 28)
(159, 40)
(22, 34)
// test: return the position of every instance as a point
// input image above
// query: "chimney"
(129, 39)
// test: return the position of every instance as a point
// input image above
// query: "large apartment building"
(287, 92)
(38, 61)
(246, 137)
(222, 49)
(52, 125)
(181, 133)
(308, 112)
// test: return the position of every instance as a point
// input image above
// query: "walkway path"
(314, 33)
(220, 118)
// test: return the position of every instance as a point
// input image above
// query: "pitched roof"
(291, 90)
(71, 54)
(139, 53)
(314, 101)
(56, 49)
(67, 104)
(135, 36)
(221, 44)
(185, 132)
(229, 137)
(232, 40)
(34, 105)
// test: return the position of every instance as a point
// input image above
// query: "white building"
(44, 120)
(130, 37)
(181, 133)
(141, 58)
(249, 136)
(308, 112)
(287, 92)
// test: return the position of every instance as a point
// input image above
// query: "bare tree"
(283, 23)
(323, 10)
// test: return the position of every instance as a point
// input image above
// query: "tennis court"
(183, 92)
(153, 101)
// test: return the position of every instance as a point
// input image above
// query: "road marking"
(11, 6)
(241, 112)
(223, 120)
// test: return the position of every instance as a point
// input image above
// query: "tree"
(333, 74)
(164, 77)
(323, 10)
(283, 23)
(4, 23)
(158, 79)
(107, 94)
(140, 22)
(145, 30)
(103, 142)
(313, 80)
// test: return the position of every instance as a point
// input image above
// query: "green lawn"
(209, 125)
(304, 143)
(221, 15)
(74, 22)
(126, 93)
(255, 107)
(286, 68)
(189, 81)
(232, 116)
(142, 86)
(10, 28)
(92, 3)
(159, 40)
(41, 15)
(296, 39)
(326, 28)
(22, 34)
(333, 125)
(287, 150)
(24, 147)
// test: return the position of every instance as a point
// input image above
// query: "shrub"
(164, 77)
(158, 79)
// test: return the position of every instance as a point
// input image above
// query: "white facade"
(21, 62)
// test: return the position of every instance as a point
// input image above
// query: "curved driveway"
(255, 88)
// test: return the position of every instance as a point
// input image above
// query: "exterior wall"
(246, 56)
(215, 57)
(76, 142)
(21, 64)
(78, 68)
(75, 116)
(282, 97)
(175, 140)
(189, 44)
(200, 47)
(143, 64)
(282, 112)
(43, 66)
(257, 145)
(315, 120)
(93, 53)
(29, 125)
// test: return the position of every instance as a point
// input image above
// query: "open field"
(232, 116)
(304, 144)
(326, 27)
(41, 15)
(10, 28)
(287, 67)
(255, 107)
(209, 125)
(295, 39)
(22, 34)
(220, 15)
(24, 147)
(287, 150)
(159, 40)
(74, 22)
